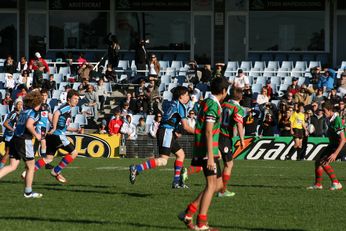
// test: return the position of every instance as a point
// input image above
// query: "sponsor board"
(276, 148)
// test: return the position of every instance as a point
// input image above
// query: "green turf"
(270, 195)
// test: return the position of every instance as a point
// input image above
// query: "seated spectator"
(84, 71)
(25, 79)
(269, 88)
(285, 125)
(342, 87)
(250, 122)
(288, 100)
(247, 98)
(110, 74)
(293, 88)
(22, 91)
(319, 97)
(267, 127)
(326, 81)
(155, 125)
(9, 82)
(304, 95)
(115, 123)
(318, 120)
(128, 129)
(22, 65)
(83, 87)
(9, 65)
(140, 90)
(241, 80)
(101, 93)
(125, 110)
(218, 73)
(342, 111)
(93, 101)
(315, 76)
(49, 85)
(191, 119)
(191, 74)
(206, 74)
(263, 97)
(7, 100)
(141, 127)
(333, 97)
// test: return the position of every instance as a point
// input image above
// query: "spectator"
(81, 60)
(9, 65)
(9, 82)
(34, 63)
(140, 90)
(125, 110)
(241, 80)
(93, 101)
(263, 97)
(22, 91)
(128, 129)
(247, 98)
(315, 107)
(342, 111)
(318, 120)
(49, 85)
(22, 65)
(251, 122)
(191, 74)
(288, 100)
(326, 81)
(304, 95)
(113, 49)
(115, 123)
(101, 93)
(25, 79)
(219, 70)
(191, 119)
(141, 56)
(110, 74)
(85, 71)
(333, 97)
(285, 125)
(103, 127)
(293, 88)
(154, 68)
(141, 127)
(269, 88)
(342, 87)
(206, 74)
(155, 125)
(63, 95)
(83, 87)
(38, 75)
(7, 100)
(315, 76)
(267, 127)
(319, 97)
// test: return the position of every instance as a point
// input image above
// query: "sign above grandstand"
(79, 4)
(287, 5)
(154, 5)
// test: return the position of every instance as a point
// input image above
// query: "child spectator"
(115, 123)
(141, 128)
(128, 129)
(155, 125)
(7, 100)
(49, 85)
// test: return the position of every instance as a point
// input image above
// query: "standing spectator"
(141, 127)
(113, 49)
(128, 129)
(101, 93)
(110, 74)
(304, 95)
(115, 123)
(49, 85)
(269, 88)
(267, 127)
(155, 125)
(125, 110)
(315, 76)
(191, 119)
(250, 122)
(22, 64)
(206, 74)
(84, 71)
(326, 81)
(191, 74)
(218, 73)
(285, 125)
(83, 87)
(10, 65)
(318, 120)
(93, 100)
(33, 65)
(241, 80)
(81, 60)
(141, 56)
(38, 75)
(247, 98)
(154, 68)
(342, 87)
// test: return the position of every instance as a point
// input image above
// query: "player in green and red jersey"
(206, 154)
(336, 134)
(232, 119)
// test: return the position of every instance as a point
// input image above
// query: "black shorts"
(7, 144)
(55, 142)
(298, 133)
(203, 163)
(21, 148)
(225, 147)
(167, 141)
(330, 149)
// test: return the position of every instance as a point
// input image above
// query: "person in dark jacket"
(113, 49)
(141, 58)
(318, 120)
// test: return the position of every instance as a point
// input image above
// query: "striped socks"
(149, 164)
(178, 165)
(194, 169)
(191, 210)
(39, 164)
(330, 172)
(202, 220)
(63, 163)
(318, 175)
(225, 179)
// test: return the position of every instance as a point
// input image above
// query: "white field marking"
(126, 168)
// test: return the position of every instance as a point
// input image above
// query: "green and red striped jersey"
(209, 111)
(335, 127)
(232, 113)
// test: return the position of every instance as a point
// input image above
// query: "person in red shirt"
(33, 65)
(115, 123)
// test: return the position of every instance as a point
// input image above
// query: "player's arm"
(7, 126)
(30, 126)
(55, 121)
(209, 138)
(187, 127)
(335, 154)
(241, 134)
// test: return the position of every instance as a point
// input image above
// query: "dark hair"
(300, 105)
(328, 105)
(236, 93)
(72, 93)
(217, 85)
(44, 91)
(179, 91)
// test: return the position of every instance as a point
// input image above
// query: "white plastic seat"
(62, 86)
(297, 72)
(283, 72)
(260, 65)
(269, 71)
(256, 88)
(81, 120)
(314, 64)
(124, 64)
(232, 65)
(56, 94)
(167, 95)
(135, 119)
(65, 71)
(171, 86)
(287, 64)
(176, 64)
(261, 80)
(163, 65)
(255, 72)
(58, 78)
(288, 80)
(74, 111)
(74, 126)
(246, 65)
(273, 64)
(301, 64)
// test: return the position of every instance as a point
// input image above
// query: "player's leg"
(51, 145)
(9, 168)
(178, 181)
(13, 146)
(225, 150)
(6, 156)
(318, 173)
(29, 177)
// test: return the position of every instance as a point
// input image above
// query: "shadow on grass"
(84, 221)
(258, 186)
(257, 229)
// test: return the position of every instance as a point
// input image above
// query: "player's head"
(181, 93)
(18, 104)
(33, 100)
(44, 94)
(236, 93)
(219, 87)
(72, 98)
(328, 109)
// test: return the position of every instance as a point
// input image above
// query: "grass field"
(270, 195)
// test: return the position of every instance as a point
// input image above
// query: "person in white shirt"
(155, 125)
(263, 97)
(129, 129)
(9, 82)
(191, 119)
(241, 80)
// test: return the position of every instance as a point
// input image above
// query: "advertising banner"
(276, 148)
